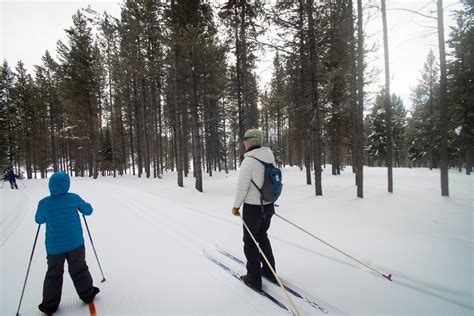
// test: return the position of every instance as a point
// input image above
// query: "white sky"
(29, 28)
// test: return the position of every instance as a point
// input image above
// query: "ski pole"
(28, 271)
(270, 267)
(93, 247)
(22, 183)
(389, 277)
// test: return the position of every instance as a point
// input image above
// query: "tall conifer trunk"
(313, 62)
(360, 103)
(388, 106)
(443, 104)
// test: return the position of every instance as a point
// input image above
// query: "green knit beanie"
(254, 136)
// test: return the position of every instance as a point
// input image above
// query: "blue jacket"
(59, 212)
(11, 176)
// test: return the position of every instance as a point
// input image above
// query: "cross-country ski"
(289, 289)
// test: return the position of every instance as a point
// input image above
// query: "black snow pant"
(53, 281)
(258, 222)
(13, 184)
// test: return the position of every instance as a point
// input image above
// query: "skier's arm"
(39, 216)
(243, 183)
(84, 207)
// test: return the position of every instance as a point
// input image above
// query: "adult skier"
(258, 219)
(64, 241)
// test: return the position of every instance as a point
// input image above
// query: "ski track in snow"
(150, 235)
(10, 219)
(189, 239)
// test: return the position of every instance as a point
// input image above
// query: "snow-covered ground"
(150, 235)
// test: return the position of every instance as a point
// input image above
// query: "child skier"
(64, 241)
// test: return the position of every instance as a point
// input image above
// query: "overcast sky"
(29, 28)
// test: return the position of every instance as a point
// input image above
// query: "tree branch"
(271, 45)
(413, 11)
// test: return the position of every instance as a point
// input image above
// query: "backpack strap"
(260, 190)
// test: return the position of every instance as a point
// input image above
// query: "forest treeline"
(172, 86)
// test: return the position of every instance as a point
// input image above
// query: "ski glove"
(235, 211)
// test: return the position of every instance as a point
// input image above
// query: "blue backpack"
(272, 184)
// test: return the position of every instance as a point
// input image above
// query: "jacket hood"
(263, 153)
(59, 183)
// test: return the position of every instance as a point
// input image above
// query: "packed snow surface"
(150, 236)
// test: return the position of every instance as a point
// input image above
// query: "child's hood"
(59, 183)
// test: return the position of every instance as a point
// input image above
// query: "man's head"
(252, 137)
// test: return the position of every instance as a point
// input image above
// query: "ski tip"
(103, 280)
(389, 277)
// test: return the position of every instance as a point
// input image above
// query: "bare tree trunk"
(130, 117)
(469, 158)
(138, 126)
(195, 125)
(177, 107)
(313, 57)
(360, 104)
(160, 133)
(122, 138)
(145, 123)
(443, 104)
(307, 156)
(388, 107)
(239, 43)
(111, 104)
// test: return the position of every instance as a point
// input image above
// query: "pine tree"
(80, 92)
(461, 85)
(47, 83)
(377, 132)
(23, 99)
(377, 138)
(423, 136)
(240, 17)
(8, 118)
(399, 131)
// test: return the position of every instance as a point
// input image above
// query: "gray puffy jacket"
(252, 169)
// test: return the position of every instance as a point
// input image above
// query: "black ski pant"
(53, 281)
(13, 184)
(258, 223)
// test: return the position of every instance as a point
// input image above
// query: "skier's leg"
(252, 216)
(53, 284)
(265, 244)
(80, 275)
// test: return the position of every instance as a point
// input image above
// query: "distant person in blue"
(64, 241)
(11, 177)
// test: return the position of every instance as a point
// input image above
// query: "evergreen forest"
(171, 86)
